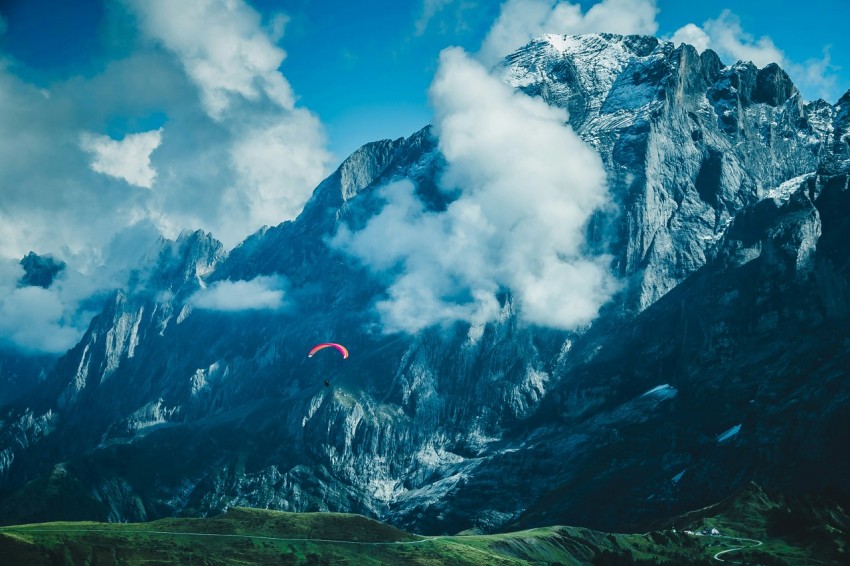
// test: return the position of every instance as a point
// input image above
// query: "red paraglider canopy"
(342, 349)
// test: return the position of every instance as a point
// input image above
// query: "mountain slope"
(731, 192)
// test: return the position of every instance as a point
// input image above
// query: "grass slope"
(806, 530)
(802, 529)
(252, 536)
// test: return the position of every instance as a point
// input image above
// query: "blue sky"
(365, 67)
(126, 120)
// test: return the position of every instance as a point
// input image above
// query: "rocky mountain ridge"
(727, 232)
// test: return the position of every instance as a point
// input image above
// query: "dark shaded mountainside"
(750, 527)
(724, 360)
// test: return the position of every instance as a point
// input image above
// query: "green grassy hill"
(793, 531)
(802, 529)
(251, 536)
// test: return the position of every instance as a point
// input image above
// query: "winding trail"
(757, 543)
(717, 556)
(22, 530)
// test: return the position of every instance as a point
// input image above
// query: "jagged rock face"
(730, 227)
(738, 373)
(688, 143)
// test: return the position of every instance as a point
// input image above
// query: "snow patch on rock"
(729, 433)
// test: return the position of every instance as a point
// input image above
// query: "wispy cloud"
(520, 21)
(31, 318)
(526, 186)
(430, 8)
(260, 293)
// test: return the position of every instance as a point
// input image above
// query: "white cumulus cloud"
(266, 153)
(260, 293)
(277, 167)
(223, 48)
(526, 186)
(692, 34)
(128, 159)
(520, 21)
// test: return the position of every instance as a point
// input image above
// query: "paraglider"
(339, 347)
(342, 349)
